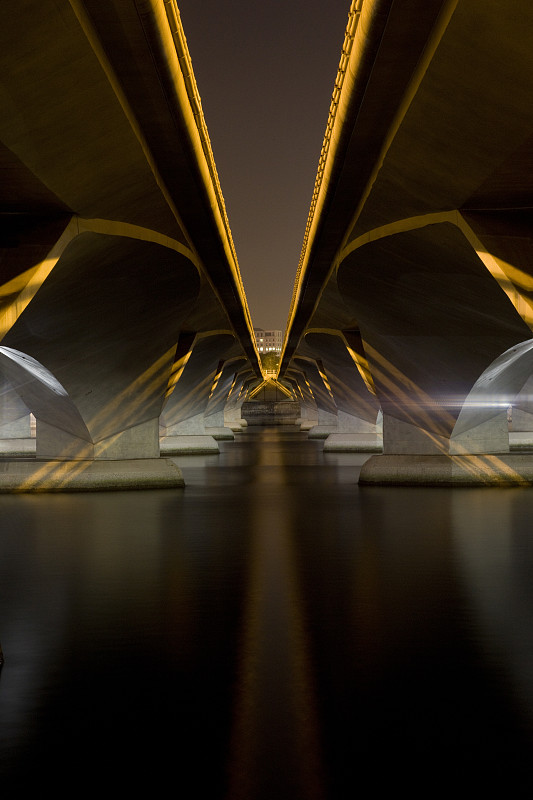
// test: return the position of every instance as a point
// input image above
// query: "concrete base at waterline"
(353, 443)
(504, 469)
(89, 476)
(188, 445)
(17, 447)
(221, 434)
(521, 440)
(320, 431)
(306, 424)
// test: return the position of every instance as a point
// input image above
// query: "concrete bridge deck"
(121, 301)
(412, 312)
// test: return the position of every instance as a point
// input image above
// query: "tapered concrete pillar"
(199, 361)
(446, 350)
(337, 354)
(521, 423)
(215, 424)
(355, 435)
(308, 417)
(521, 430)
(233, 418)
(402, 438)
(140, 441)
(215, 410)
(91, 356)
(327, 423)
(16, 430)
(233, 409)
(187, 437)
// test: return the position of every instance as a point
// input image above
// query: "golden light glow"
(270, 383)
(176, 372)
(361, 362)
(416, 404)
(274, 666)
(119, 412)
(215, 382)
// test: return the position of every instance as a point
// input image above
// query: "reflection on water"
(270, 631)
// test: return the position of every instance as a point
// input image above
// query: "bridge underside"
(417, 274)
(122, 312)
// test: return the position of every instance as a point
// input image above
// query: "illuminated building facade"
(268, 341)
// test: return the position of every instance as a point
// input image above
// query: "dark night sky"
(265, 72)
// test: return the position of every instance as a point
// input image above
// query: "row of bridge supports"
(124, 327)
(37, 456)
(414, 289)
(105, 365)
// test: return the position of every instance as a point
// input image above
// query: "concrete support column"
(140, 441)
(308, 416)
(355, 435)
(521, 425)
(326, 423)
(187, 437)
(477, 455)
(216, 426)
(521, 429)
(15, 423)
(402, 438)
(490, 436)
(233, 409)
(17, 429)
(233, 419)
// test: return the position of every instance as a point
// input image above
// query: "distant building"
(268, 341)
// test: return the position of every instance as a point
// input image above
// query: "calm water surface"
(271, 631)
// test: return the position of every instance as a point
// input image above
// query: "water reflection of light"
(275, 741)
(493, 554)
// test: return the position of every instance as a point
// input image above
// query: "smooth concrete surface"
(237, 425)
(138, 442)
(321, 431)
(514, 469)
(89, 476)
(174, 445)
(353, 443)
(220, 433)
(17, 447)
(418, 257)
(521, 440)
(306, 424)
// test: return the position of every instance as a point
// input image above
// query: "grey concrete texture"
(193, 444)
(421, 251)
(501, 470)
(89, 476)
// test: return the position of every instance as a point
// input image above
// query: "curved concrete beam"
(421, 209)
(107, 328)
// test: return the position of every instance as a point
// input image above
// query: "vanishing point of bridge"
(125, 331)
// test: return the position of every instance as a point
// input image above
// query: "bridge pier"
(521, 423)
(326, 424)
(479, 456)
(355, 435)
(233, 418)
(187, 437)
(215, 425)
(15, 423)
(521, 430)
(308, 417)
(139, 441)
(511, 469)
